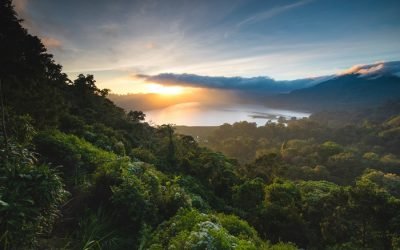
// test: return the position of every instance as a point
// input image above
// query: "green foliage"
(266, 167)
(143, 154)
(130, 199)
(190, 229)
(147, 196)
(30, 196)
(238, 227)
(22, 129)
(249, 195)
(283, 246)
(214, 170)
(281, 218)
(96, 231)
(328, 149)
(77, 157)
(316, 196)
(313, 191)
(283, 193)
(372, 209)
(202, 198)
(315, 149)
(388, 181)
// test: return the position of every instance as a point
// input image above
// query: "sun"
(163, 90)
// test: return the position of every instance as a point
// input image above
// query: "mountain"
(359, 86)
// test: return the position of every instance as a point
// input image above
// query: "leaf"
(4, 204)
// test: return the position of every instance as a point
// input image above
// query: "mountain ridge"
(342, 92)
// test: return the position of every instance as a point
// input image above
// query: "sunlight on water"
(196, 114)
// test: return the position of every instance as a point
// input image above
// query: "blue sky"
(283, 39)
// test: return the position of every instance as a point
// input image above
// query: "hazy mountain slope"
(346, 91)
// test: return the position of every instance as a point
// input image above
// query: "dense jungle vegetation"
(78, 172)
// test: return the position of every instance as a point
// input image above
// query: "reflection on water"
(196, 114)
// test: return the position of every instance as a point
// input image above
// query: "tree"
(249, 195)
(31, 81)
(136, 116)
(372, 211)
(266, 167)
(388, 181)
(190, 229)
(281, 217)
(314, 197)
(167, 131)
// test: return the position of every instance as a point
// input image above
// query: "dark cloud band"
(231, 83)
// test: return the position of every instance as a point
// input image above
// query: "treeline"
(329, 181)
(337, 147)
(78, 172)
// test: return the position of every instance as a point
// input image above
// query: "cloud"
(260, 83)
(51, 42)
(35, 25)
(374, 69)
(20, 5)
(272, 12)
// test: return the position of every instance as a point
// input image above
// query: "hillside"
(350, 91)
(79, 172)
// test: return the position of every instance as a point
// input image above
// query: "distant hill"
(347, 91)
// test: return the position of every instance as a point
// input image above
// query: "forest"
(78, 172)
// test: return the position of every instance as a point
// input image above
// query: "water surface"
(197, 114)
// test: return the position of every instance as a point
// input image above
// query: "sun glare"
(163, 90)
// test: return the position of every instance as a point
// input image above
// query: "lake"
(197, 114)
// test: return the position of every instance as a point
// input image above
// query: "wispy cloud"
(51, 42)
(371, 69)
(20, 5)
(271, 13)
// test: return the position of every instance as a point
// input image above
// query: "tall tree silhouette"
(28, 73)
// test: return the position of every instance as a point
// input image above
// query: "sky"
(121, 41)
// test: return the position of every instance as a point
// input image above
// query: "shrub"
(30, 195)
